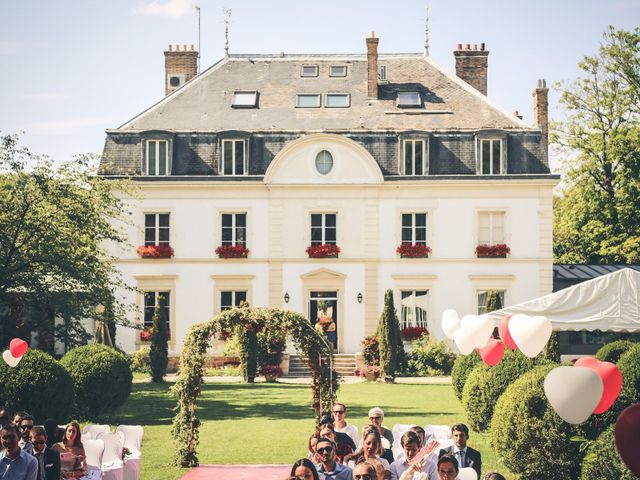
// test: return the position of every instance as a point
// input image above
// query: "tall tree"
(159, 353)
(596, 213)
(57, 224)
(390, 340)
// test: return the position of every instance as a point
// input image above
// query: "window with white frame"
(234, 158)
(156, 229)
(153, 299)
(414, 228)
(414, 308)
(323, 228)
(491, 228)
(232, 298)
(308, 100)
(491, 156)
(337, 100)
(409, 99)
(234, 229)
(309, 71)
(338, 71)
(158, 157)
(413, 156)
(483, 298)
(248, 99)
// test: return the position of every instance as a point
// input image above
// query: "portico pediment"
(323, 274)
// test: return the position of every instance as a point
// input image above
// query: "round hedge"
(102, 377)
(602, 461)
(612, 352)
(533, 441)
(38, 385)
(461, 369)
(485, 384)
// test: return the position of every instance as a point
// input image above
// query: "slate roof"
(204, 103)
(582, 272)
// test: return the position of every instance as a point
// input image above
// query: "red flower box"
(323, 250)
(500, 250)
(409, 250)
(145, 334)
(155, 251)
(411, 333)
(232, 251)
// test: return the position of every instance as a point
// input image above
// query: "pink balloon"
(611, 378)
(492, 352)
(627, 438)
(503, 330)
(18, 347)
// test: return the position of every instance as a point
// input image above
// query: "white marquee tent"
(609, 302)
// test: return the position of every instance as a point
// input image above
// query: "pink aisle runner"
(238, 472)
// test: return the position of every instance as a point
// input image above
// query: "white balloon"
(10, 359)
(573, 392)
(464, 340)
(530, 334)
(480, 327)
(450, 322)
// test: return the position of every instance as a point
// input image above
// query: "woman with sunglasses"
(304, 469)
(72, 456)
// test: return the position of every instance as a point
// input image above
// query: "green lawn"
(270, 423)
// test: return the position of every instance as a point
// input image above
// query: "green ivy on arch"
(238, 321)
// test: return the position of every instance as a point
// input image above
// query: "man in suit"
(465, 455)
(48, 460)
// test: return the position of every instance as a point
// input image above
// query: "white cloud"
(66, 127)
(45, 96)
(168, 8)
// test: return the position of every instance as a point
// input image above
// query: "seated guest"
(26, 424)
(466, 456)
(17, 417)
(341, 438)
(72, 456)
(48, 460)
(55, 434)
(303, 468)
(5, 416)
(340, 424)
(376, 416)
(380, 471)
(372, 449)
(385, 453)
(342, 449)
(328, 467)
(421, 434)
(411, 446)
(493, 476)
(311, 447)
(365, 471)
(448, 467)
(15, 463)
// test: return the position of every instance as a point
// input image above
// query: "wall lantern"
(359, 297)
(286, 297)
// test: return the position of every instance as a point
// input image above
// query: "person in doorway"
(340, 424)
(48, 460)
(329, 467)
(466, 456)
(15, 463)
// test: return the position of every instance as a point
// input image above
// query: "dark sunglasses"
(26, 427)
(338, 411)
(374, 418)
(325, 450)
(41, 442)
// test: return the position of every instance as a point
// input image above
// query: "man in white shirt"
(340, 422)
(411, 446)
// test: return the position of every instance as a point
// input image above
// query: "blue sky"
(70, 69)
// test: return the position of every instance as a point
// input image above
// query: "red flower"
(232, 251)
(500, 250)
(146, 334)
(409, 333)
(155, 251)
(323, 250)
(409, 250)
(270, 371)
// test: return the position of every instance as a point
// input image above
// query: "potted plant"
(232, 251)
(501, 250)
(370, 372)
(411, 333)
(270, 372)
(410, 250)
(323, 250)
(155, 251)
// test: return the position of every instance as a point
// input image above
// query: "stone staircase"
(343, 363)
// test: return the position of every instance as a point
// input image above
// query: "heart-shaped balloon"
(464, 340)
(10, 359)
(573, 392)
(627, 438)
(530, 334)
(450, 322)
(505, 336)
(480, 327)
(492, 352)
(18, 347)
(611, 378)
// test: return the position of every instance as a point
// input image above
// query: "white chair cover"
(132, 436)
(398, 430)
(437, 431)
(467, 473)
(112, 464)
(90, 432)
(93, 449)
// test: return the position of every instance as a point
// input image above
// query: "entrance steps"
(343, 363)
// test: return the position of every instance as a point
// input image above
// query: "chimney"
(180, 66)
(541, 109)
(471, 65)
(372, 65)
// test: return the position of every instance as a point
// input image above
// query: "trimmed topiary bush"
(533, 441)
(102, 377)
(38, 385)
(485, 385)
(612, 352)
(140, 360)
(602, 461)
(461, 369)
(429, 357)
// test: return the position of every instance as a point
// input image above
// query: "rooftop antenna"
(198, 9)
(426, 34)
(227, 20)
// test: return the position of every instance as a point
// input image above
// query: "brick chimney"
(471, 65)
(541, 109)
(180, 66)
(372, 65)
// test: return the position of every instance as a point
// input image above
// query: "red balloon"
(18, 347)
(503, 330)
(492, 352)
(611, 378)
(627, 438)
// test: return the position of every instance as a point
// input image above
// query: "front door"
(323, 314)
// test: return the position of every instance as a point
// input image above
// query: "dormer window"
(338, 71)
(409, 99)
(491, 156)
(158, 158)
(309, 71)
(234, 157)
(245, 99)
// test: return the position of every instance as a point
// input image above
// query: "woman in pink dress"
(72, 456)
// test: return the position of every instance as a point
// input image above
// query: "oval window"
(324, 162)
